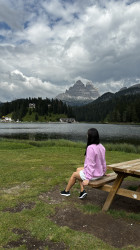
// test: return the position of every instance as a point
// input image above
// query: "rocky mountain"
(133, 90)
(79, 94)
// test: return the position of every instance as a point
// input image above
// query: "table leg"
(138, 189)
(113, 191)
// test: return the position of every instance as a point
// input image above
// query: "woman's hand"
(107, 174)
(85, 182)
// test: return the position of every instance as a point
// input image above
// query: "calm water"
(70, 131)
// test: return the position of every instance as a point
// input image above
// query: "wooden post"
(113, 191)
(138, 189)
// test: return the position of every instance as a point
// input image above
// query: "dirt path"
(118, 232)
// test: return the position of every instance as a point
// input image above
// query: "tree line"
(124, 108)
(19, 108)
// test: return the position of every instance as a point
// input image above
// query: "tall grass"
(123, 147)
(58, 143)
(120, 147)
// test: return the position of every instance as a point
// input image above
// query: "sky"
(46, 45)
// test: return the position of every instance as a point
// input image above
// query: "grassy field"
(34, 117)
(28, 169)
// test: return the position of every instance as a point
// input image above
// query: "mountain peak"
(79, 94)
(79, 83)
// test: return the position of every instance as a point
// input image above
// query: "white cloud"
(20, 86)
(54, 42)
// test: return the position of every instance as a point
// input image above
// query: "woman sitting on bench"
(94, 165)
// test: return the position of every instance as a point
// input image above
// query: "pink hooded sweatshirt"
(95, 163)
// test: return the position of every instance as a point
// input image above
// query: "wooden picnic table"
(123, 170)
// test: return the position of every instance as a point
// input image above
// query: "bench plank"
(103, 180)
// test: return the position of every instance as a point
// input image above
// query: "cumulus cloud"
(52, 43)
(20, 86)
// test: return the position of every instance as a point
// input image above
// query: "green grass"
(125, 147)
(123, 214)
(30, 168)
(89, 208)
(48, 118)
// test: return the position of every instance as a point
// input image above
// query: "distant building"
(31, 105)
(6, 119)
(49, 106)
(68, 120)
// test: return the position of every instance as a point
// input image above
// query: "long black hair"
(92, 137)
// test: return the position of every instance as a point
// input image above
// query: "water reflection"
(74, 132)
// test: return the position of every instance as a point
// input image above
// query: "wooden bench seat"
(103, 180)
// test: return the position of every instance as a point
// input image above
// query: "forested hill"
(34, 109)
(119, 107)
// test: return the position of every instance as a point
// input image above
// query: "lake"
(70, 131)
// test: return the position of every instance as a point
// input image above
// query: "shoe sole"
(65, 194)
(83, 196)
